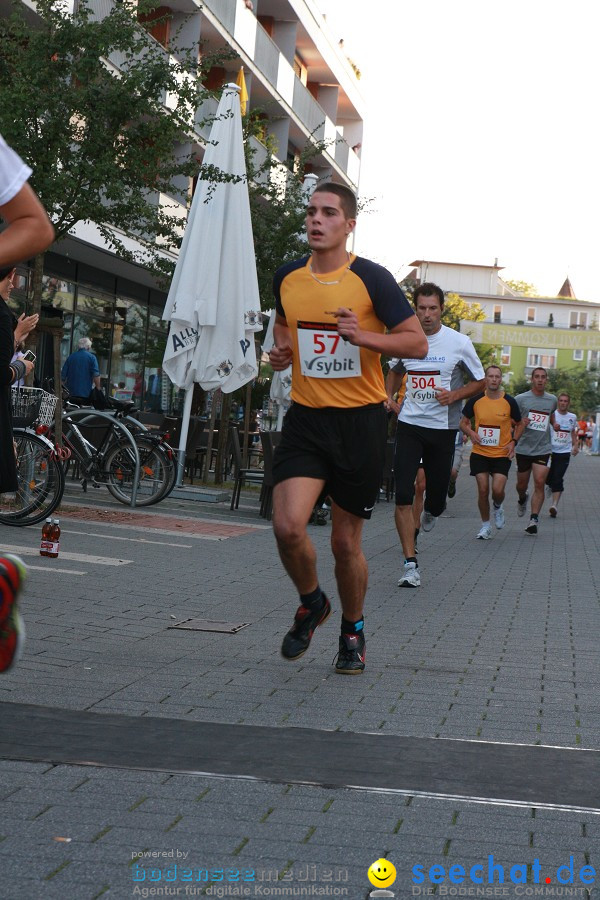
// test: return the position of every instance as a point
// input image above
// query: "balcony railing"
(562, 326)
(266, 55)
(224, 10)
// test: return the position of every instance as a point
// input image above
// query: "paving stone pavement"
(499, 644)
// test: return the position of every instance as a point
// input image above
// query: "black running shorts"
(524, 463)
(431, 448)
(493, 465)
(343, 447)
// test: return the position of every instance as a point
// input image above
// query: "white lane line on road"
(401, 792)
(78, 557)
(177, 534)
(54, 569)
(115, 537)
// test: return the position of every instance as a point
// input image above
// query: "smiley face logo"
(382, 873)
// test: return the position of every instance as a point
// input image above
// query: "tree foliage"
(581, 385)
(277, 202)
(525, 288)
(99, 139)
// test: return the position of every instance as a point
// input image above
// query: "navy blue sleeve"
(515, 412)
(280, 274)
(469, 407)
(388, 299)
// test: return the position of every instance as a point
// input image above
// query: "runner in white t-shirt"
(564, 445)
(29, 230)
(428, 418)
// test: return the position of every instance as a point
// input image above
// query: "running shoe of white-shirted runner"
(499, 519)
(485, 532)
(411, 576)
(522, 506)
(427, 520)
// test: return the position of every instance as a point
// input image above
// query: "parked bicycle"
(41, 480)
(102, 444)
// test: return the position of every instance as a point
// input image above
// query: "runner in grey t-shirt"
(534, 448)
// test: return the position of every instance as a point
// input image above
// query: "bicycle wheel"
(156, 472)
(41, 482)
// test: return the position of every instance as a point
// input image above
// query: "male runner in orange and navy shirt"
(496, 414)
(335, 314)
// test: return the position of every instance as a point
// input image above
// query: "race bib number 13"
(490, 435)
(324, 354)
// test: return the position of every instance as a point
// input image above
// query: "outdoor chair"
(269, 440)
(194, 449)
(242, 476)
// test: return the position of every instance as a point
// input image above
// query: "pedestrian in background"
(80, 372)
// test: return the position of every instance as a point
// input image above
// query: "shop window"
(537, 356)
(129, 342)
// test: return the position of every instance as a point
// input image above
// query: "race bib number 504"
(324, 354)
(422, 386)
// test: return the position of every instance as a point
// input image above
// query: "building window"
(578, 355)
(593, 359)
(497, 314)
(540, 356)
(531, 313)
(505, 356)
(577, 319)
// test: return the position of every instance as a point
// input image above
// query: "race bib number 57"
(324, 354)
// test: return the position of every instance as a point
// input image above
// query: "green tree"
(523, 287)
(581, 385)
(277, 202)
(100, 141)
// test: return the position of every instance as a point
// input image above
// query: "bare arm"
(520, 428)
(465, 427)
(445, 397)
(29, 229)
(404, 340)
(280, 356)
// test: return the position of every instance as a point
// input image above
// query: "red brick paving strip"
(155, 521)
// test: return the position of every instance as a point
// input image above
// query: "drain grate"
(207, 625)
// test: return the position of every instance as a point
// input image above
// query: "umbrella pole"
(185, 426)
(280, 414)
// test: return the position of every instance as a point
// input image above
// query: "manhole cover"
(206, 625)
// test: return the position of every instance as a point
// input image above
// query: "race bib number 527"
(324, 354)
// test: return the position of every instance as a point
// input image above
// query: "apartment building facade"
(306, 90)
(555, 332)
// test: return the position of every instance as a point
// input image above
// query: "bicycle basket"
(32, 406)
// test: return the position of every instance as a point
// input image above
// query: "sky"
(481, 135)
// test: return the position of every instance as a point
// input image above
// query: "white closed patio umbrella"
(213, 304)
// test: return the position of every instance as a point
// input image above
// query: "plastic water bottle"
(54, 544)
(45, 542)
